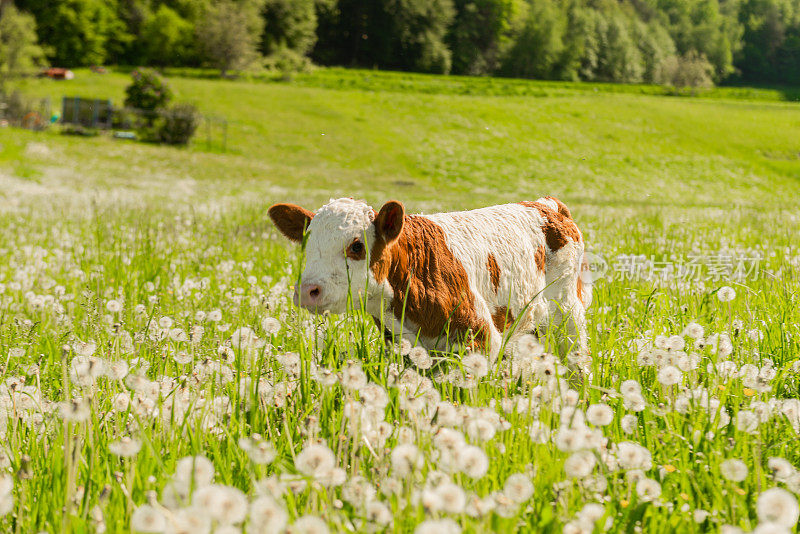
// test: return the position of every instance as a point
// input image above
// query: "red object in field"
(58, 73)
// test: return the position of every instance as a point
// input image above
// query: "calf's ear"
(291, 220)
(389, 221)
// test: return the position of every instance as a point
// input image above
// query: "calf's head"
(345, 238)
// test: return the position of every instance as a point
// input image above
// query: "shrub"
(148, 91)
(177, 124)
(692, 70)
(14, 107)
(287, 62)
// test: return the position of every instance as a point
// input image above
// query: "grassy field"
(156, 378)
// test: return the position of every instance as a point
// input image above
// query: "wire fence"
(82, 115)
(133, 123)
(23, 112)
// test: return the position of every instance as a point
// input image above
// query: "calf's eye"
(356, 250)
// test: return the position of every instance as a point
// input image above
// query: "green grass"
(85, 221)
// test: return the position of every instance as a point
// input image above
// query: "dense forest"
(752, 41)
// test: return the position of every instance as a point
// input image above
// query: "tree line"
(653, 41)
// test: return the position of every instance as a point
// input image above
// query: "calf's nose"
(308, 295)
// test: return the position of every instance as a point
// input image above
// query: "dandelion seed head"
(315, 460)
(776, 505)
(267, 515)
(669, 375)
(648, 489)
(734, 470)
(309, 524)
(438, 526)
(420, 358)
(148, 519)
(726, 294)
(599, 414)
(472, 461)
(196, 470)
(125, 447)
(518, 488)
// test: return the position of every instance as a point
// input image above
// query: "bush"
(287, 62)
(148, 91)
(177, 125)
(14, 107)
(692, 70)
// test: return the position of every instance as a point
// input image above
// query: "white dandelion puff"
(518, 488)
(378, 513)
(438, 526)
(148, 519)
(420, 358)
(405, 459)
(669, 375)
(599, 414)
(267, 515)
(734, 470)
(125, 447)
(776, 505)
(473, 462)
(726, 294)
(315, 460)
(648, 489)
(196, 470)
(476, 364)
(580, 464)
(225, 504)
(309, 524)
(270, 325)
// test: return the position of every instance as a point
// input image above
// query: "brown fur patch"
(562, 208)
(558, 228)
(539, 256)
(502, 318)
(494, 271)
(427, 281)
(580, 290)
(291, 219)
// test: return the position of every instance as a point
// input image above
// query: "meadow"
(156, 378)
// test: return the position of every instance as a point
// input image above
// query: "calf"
(446, 278)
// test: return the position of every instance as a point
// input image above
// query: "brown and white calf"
(446, 278)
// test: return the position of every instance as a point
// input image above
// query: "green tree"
(78, 32)
(398, 34)
(700, 25)
(655, 45)
(166, 38)
(539, 46)
(19, 50)
(771, 41)
(419, 28)
(289, 24)
(230, 33)
(482, 32)
(133, 14)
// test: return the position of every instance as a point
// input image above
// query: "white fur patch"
(513, 234)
